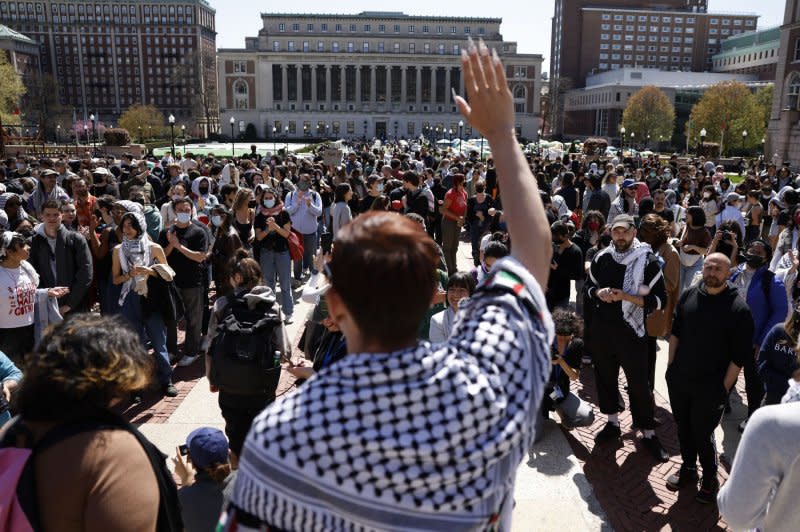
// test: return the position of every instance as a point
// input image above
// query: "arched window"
(519, 92)
(241, 95)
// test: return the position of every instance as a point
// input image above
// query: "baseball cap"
(733, 196)
(623, 220)
(207, 446)
(100, 171)
(628, 183)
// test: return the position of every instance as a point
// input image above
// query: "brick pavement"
(628, 483)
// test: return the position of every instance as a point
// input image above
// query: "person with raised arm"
(400, 434)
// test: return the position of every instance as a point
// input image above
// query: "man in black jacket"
(711, 339)
(625, 284)
(62, 258)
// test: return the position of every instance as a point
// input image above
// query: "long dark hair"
(225, 228)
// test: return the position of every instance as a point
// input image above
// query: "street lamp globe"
(171, 119)
(744, 133)
(460, 123)
(622, 130)
(91, 118)
(703, 132)
(232, 121)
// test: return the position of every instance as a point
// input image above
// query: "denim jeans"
(279, 264)
(476, 232)
(151, 328)
(688, 273)
(309, 248)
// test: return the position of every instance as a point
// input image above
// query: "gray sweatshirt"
(764, 487)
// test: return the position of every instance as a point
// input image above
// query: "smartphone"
(183, 449)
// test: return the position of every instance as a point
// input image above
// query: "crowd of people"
(428, 383)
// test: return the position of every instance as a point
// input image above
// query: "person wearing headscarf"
(135, 260)
(204, 200)
(46, 189)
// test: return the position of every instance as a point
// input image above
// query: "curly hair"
(82, 365)
(567, 323)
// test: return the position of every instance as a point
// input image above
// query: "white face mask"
(183, 217)
(216, 220)
(269, 203)
(379, 187)
(176, 197)
(706, 195)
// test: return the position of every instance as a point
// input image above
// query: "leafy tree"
(725, 111)
(148, 117)
(763, 99)
(649, 113)
(11, 90)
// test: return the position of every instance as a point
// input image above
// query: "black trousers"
(17, 342)
(753, 387)
(239, 411)
(697, 409)
(620, 348)
(652, 353)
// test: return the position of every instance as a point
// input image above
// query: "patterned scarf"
(134, 252)
(634, 259)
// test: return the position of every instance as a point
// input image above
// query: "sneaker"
(187, 360)
(288, 319)
(170, 390)
(707, 494)
(610, 432)
(656, 449)
(681, 479)
(742, 425)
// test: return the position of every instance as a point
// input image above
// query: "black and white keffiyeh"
(428, 438)
(634, 259)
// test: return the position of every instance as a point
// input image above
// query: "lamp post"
(622, 132)
(274, 133)
(460, 134)
(171, 120)
(744, 139)
(94, 135)
(286, 137)
(86, 132)
(648, 141)
(763, 146)
(183, 134)
(702, 138)
(633, 142)
(481, 147)
(327, 131)
(150, 132)
(233, 141)
(58, 134)
(141, 138)
(539, 141)
(365, 130)
(395, 130)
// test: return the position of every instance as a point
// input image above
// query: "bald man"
(711, 338)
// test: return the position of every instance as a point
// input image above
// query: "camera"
(183, 449)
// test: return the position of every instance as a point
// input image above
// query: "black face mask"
(754, 261)
(252, 204)
(203, 191)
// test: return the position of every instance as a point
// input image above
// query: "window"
(602, 66)
(352, 28)
(241, 98)
(725, 32)
(678, 20)
(630, 18)
(481, 31)
(335, 46)
(453, 30)
(323, 27)
(456, 49)
(439, 30)
(427, 48)
(726, 22)
(320, 46)
(690, 20)
(605, 27)
(380, 47)
(412, 48)
(688, 40)
(365, 47)
(641, 28)
(616, 47)
(441, 49)
(639, 57)
(796, 50)
(629, 37)
(367, 28)
(604, 36)
(606, 16)
(617, 17)
(603, 56)
(350, 47)
(641, 38)
(793, 94)
(653, 19)
(411, 29)
(617, 37)
(676, 40)
(737, 22)
(749, 23)
(397, 28)
(712, 31)
(425, 28)
(466, 30)
(617, 27)
(295, 27)
(604, 46)
(642, 18)
(239, 67)
(281, 27)
(381, 28)
(714, 21)
(305, 46)
(396, 47)
(290, 46)
(309, 27)
(338, 28)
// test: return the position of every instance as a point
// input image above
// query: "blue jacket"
(766, 314)
(776, 363)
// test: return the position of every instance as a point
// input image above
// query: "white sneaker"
(187, 360)
(288, 319)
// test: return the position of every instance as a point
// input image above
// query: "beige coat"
(659, 322)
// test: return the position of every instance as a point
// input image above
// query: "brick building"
(592, 36)
(783, 132)
(374, 74)
(107, 55)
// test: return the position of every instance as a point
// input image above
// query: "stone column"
(433, 85)
(358, 84)
(299, 83)
(284, 86)
(314, 84)
(389, 100)
(447, 84)
(342, 77)
(418, 85)
(403, 94)
(372, 86)
(328, 87)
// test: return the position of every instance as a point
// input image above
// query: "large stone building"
(783, 132)
(21, 51)
(373, 74)
(107, 55)
(596, 110)
(750, 53)
(591, 36)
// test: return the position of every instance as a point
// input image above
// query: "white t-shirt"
(18, 295)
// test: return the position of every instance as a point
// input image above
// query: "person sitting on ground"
(494, 251)
(566, 359)
(460, 286)
(204, 474)
(474, 396)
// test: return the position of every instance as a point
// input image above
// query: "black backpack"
(169, 507)
(244, 359)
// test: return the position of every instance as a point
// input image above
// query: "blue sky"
(528, 25)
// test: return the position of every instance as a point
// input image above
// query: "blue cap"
(207, 446)
(628, 183)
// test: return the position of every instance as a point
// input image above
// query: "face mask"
(204, 192)
(20, 166)
(269, 203)
(593, 226)
(754, 261)
(176, 197)
(379, 187)
(652, 174)
(303, 185)
(706, 195)
(252, 204)
(184, 217)
(216, 220)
